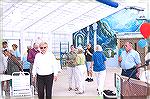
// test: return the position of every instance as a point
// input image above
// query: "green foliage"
(109, 53)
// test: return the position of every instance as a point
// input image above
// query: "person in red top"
(32, 53)
(30, 58)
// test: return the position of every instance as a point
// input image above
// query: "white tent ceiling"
(54, 16)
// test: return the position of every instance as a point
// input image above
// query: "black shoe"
(109, 92)
(97, 89)
(69, 89)
(87, 79)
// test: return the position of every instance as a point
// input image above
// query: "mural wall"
(124, 20)
(105, 29)
(80, 37)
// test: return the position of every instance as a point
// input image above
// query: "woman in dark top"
(88, 55)
(13, 64)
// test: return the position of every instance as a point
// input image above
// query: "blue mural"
(91, 36)
(80, 38)
(124, 20)
(105, 36)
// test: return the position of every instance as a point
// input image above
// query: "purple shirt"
(31, 55)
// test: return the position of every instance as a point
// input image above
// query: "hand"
(55, 78)
(88, 51)
(67, 61)
(33, 80)
(119, 59)
(138, 74)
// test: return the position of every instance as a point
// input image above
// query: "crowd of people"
(36, 61)
(82, 65)
(95, 63)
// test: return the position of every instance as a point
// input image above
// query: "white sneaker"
(100, 93)
(35, 92)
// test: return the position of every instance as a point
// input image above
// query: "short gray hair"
(42, 43)
(98, 48)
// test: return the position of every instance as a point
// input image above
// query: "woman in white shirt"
(45, 68)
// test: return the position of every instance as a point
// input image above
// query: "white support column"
(95, 40)
(95, 34)
(50, 41)
(22, 41)
(88, 40)
(148, 9)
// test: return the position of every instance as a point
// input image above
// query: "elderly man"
(71, 64)
(4, 58)
(45, 68)
(3, 62)
(130, 60)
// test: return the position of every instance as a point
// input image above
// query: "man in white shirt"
(4, 58)
(45, 68)
(130, 60)
(3, 63)
(145, 74)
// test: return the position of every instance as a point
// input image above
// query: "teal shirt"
(26, 64)
(120, 51)
(16, 53)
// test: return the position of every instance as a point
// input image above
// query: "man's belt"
(130, 68)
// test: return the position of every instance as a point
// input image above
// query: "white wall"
(27, 39)
(63, 38)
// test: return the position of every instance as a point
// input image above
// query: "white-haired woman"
(80, 70)
(99, 68)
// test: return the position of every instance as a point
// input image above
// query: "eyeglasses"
(43, 47)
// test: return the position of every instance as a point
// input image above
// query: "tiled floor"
(61, 85)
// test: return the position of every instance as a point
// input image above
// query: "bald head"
(128, 46)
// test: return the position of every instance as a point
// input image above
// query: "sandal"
(76, 89)
(69, 88)
(79, 92)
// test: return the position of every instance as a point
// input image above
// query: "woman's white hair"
(98, 48)
(80, 48)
